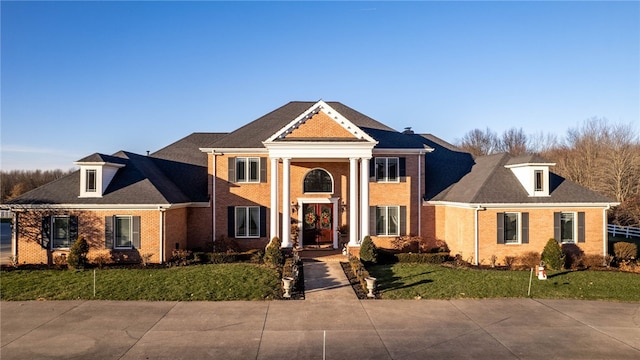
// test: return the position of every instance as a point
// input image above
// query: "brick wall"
(321, 126)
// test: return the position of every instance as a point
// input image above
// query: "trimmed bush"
(273, 255)
(625, 250)
(552, 255)
(431, 258)
(368, 250)
(77, 258)
(529, 260)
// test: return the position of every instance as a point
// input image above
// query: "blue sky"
(86, 77)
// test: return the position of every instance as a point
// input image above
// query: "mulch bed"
(353, 280)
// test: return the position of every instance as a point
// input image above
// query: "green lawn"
(197, 282)
(409, 281)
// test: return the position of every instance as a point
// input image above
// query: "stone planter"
(371, 285)
(286, 285)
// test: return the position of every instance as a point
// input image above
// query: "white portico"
(346, 142)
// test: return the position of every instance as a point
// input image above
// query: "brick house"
(320, 167)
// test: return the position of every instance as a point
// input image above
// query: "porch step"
(323, 255)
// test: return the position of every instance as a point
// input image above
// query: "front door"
(318, 224)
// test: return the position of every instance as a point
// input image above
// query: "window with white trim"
(511, 228)
(247, 169)
(568, 227)
(387, 169)
(538, 180)
(123, 232)
(61, 234)
(91, 180)
(247, 221)
(318, 181)
(388, 220)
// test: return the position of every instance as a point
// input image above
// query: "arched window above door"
(318, 181)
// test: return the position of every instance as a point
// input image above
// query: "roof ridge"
(502, 157)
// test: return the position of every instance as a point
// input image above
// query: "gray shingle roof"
(254, 133)
(489, 182)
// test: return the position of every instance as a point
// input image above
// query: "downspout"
(213, 201)
(477, 235)
(420, 193)
(162, 232)
(14, 236)
(605, 234)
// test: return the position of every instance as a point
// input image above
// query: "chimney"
(408, 130)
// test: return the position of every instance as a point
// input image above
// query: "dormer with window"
(533, 174)
(96, 172)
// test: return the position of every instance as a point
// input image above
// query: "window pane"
(61, 232)
(381, 220)
(123, 232)
(566, 227)
(538, 184)
(318, 181)
(254, 169)
(254, 221)
(511, 228)
(241, 169)
(381, 164)
(392, 174)
(394, 222)
(241, 221)
(91, 181)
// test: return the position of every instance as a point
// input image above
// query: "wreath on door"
(310, 218)
(325, 219)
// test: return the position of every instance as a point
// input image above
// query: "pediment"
(320, 122)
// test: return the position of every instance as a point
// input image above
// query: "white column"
(353, 202)
(286, 206)
(364, 197)
(273, 224)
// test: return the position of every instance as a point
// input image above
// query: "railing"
(627, 231)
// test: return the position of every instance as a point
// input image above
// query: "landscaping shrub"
(593, 261)
(509, 261)
(625, 250)
(368, 250)
(407, 243)
(181, 257)
(629, 266)
(529, 260)
(430, 258)
(77, 258)
(225, 244)
(201, 257)
(101, 260)
(273, 255)
(552, 255)
(573, 256)
(222, 258)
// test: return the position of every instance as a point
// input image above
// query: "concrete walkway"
(321, 329)
(325, 280)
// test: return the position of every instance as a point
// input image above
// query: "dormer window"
(91, 178)
(539, 180)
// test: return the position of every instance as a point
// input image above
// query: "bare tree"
(478, 142)
(514, 141)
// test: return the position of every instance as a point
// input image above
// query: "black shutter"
(231, 221)
(557, 233)
(403, 220)
(135, 232)
(372, 169)
(525, 227)
(232, 169)
(46, 231)
(263, 170)
(73, 229)
(263, 221)
(581, 227)
(500, 228)
(402, 165)
(372, 220)
(108, 232)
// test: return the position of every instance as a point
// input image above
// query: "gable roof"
(252, 135)
(490, 182)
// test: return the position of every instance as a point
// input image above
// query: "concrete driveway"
(321, 329)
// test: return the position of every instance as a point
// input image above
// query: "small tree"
(273, 254)
(78, 254)
(368, 250)
(552, 255)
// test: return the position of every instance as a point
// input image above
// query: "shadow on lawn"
(387, 281)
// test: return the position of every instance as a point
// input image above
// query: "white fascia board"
(102, 163)
(529, 164)
(319, 150)
(521, 205)
(108, 206)
(402, 151)
(223, 151)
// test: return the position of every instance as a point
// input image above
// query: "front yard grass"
(428, 281)
(197, 282)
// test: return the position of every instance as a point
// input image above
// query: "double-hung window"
(567, 227)
(247, 221)
(247, 169)
(538, 180)
(123, 232)
(513, 228)
(387, 169)
(91, 178)
(387, 220)
(61, 238)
